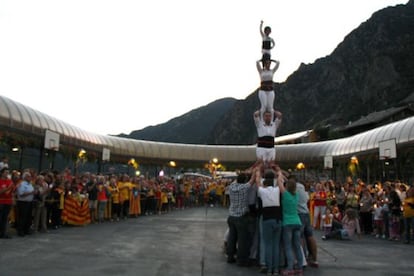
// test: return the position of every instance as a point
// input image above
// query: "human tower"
(267, 119)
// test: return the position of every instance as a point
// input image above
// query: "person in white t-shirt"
(4, 163)
(267, 42)
(267, 124)
(266, 91)
(271, 221)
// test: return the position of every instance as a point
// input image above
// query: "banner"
(76, 211)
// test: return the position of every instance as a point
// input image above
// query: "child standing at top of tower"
(267, 42)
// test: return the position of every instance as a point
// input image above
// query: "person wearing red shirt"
(6, 201)
(102, 196)
(319, 203)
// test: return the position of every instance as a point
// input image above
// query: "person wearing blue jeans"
(271, 221)
(262, 246)
(291, 237)
(272, 230)
(291, 226)
(307, 236)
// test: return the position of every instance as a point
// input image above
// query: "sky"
(114, 66)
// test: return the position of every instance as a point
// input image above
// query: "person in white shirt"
(327, 220)
(266, 92)
(25, 194)
(267, 42)
(4, 163)
(271, 221)
(267, 124)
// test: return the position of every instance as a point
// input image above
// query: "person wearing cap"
(267, 124)
(6, 201)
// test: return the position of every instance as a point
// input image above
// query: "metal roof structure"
(24, 119)
(293, 136)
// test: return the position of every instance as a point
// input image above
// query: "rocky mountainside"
(193, 127)
(372, 69)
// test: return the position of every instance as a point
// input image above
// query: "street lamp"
(133, 163)
(80, 159)
(19, 150)
(82, 154)
(172, 165)
(214, 165)
(354, 160)
(353, 166)
(301, 167)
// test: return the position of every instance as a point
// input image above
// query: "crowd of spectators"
(263, 227)
(32, 202)
(260, 203)
(384, 210)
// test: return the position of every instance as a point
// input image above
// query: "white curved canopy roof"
(23, 118)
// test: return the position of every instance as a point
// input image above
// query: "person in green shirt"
(291, 225)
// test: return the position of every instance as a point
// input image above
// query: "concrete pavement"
(183, 242)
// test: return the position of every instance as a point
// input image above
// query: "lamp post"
(353, 167)
(301, 167)
(171, 164)
(20, 151)
(214, 165)
(80, 158)
(133, 163)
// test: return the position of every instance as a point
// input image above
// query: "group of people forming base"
(255, 231)
(261, 231)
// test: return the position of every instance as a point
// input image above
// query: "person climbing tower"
(267, 124)
(267, 42)
(266, 91)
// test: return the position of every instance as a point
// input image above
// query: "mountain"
(369, 71)
(191, 128)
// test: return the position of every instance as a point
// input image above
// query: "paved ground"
(186, 242)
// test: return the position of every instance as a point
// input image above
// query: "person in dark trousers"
(238, 220)
(25, 194)
(267, 42)
(6, 201)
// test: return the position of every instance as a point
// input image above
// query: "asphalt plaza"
(183, 242)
